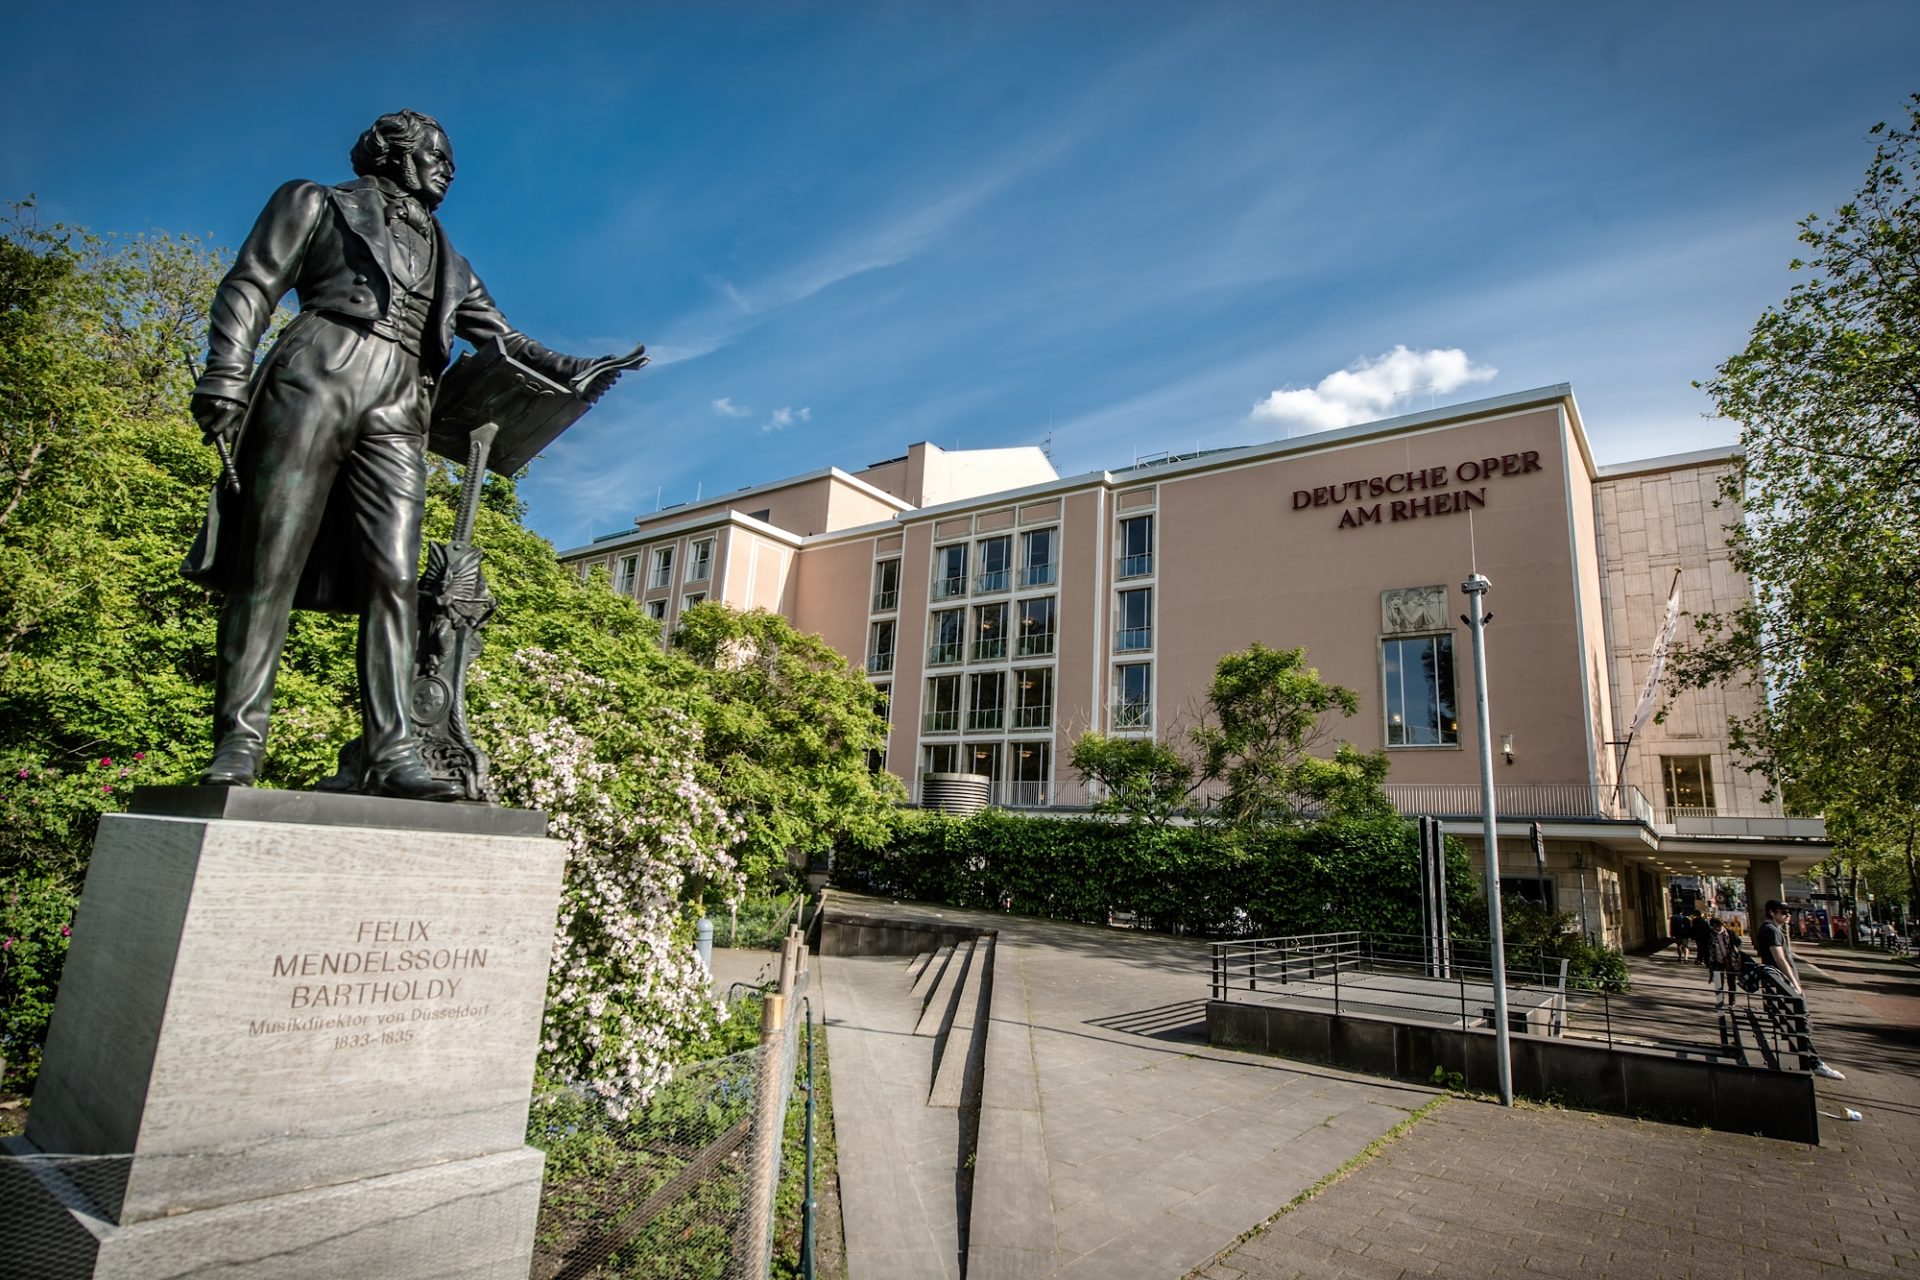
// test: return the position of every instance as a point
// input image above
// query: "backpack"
(1722, 950)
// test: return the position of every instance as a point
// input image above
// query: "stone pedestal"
(307, 1025)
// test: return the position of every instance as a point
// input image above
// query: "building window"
(1133, 696)
(996, 564)
(950, 571)
(1689, 783)
(1135, 619)
(1136, 546)
(1031, 769)
(949, 632)
(943, 705)
(880, 647)
(657, 610)
(629, 574)
(1419, 684)
(983, 758)
(986, 700)
(1033, 698)
(1037, 626)
(1038, 552)
(886, 586)
(943, 757)
(702, 567)
(662, 575)
(1533, 888)
(882, 707)
(989, 632)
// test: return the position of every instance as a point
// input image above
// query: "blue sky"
(843, 228)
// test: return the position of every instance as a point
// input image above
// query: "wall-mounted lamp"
(1506, 746)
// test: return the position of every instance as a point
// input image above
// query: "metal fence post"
(1219, 971)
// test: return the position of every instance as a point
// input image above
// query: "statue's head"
(409, 149)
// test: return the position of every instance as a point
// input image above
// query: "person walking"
(1721, 955)
(1783, 985)
(1678, 930)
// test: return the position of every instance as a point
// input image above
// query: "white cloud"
(785, 416)
(726, 408)
(1369, 388)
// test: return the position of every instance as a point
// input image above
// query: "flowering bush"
(616, 770)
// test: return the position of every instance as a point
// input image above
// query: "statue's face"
(433, 163)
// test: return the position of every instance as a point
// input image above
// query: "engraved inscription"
(396, 972)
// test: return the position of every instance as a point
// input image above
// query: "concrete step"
(930, 974)
(935, 1018)
(960, 1053)
(1010, 1219)
(918, 963)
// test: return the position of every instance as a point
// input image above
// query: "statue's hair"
(386, 148)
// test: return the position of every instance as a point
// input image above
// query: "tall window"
(1689, 783)
(986, 700)
(1135, 621)
(883, 706)
(1037, 625)
(989, 632)
(1419, 685)
(662, 575)
(1039, 550)
(880, 637)
(1033, 698)
(657, 610)
(1133, 696)
(702, 567)
(1030, 766)
(950, 571)
(949, 635)
(943, 757)
(996, 564)
(1136, 546)
(629, 574)
(983, 758)
(886, 586)
(692, 598)
(943, 705)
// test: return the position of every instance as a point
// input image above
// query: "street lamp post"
(1475, 588)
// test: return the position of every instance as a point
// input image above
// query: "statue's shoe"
(409, 780)
(232, 766)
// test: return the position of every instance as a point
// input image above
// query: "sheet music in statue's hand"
(530, 408)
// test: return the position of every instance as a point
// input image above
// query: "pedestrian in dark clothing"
(1702, 937)
(1783, 986)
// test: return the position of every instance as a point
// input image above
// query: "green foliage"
(1266, 713)
(789, 723)
(36, 918)
(1360, 874)
(1532, 930)
(1141, 778)
(1827, 395)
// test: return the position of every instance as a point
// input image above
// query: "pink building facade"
(1004, 611)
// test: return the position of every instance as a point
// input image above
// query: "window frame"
(1446, 694)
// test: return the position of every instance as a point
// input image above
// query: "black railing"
(1402, 977)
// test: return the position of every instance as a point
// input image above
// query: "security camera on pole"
(1475, 588)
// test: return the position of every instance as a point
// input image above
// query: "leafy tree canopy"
(1827, 394)
(1254, 751)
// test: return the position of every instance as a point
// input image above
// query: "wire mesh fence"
(1745, 1016)
(684, 1187)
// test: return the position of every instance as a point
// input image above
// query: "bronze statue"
(323, 447)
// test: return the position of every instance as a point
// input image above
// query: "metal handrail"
(1037, 575)
(1132, 639)
(1137, 566)
(941, 655)
(990, 650)
(1035, 646)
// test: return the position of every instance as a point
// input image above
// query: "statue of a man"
(328, 437)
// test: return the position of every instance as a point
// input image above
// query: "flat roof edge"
(1669, 462)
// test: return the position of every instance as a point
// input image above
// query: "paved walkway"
(1155, 1152)
(1476, 1191)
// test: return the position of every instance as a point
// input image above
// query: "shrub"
(36, 920)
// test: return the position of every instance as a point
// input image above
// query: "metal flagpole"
(1476, 589)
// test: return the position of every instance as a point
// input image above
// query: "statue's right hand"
(219, 417)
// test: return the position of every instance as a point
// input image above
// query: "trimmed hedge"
(1360, 874)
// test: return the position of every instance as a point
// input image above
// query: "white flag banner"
(1650, 693)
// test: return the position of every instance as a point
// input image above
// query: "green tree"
(1144, 778)
(1268, 711)
(789, 724)
(1254, 750)
(1827, 395)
